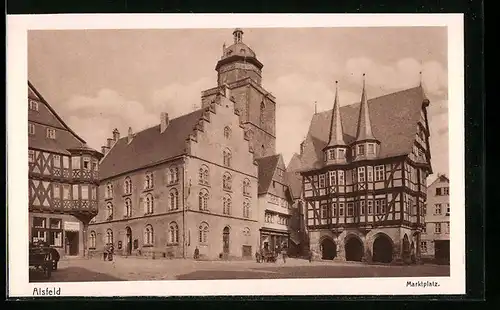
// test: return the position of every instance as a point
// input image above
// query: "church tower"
(241, 71)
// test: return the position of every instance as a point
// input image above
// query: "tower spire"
(336, 131)
(364, 131)
(238, 35)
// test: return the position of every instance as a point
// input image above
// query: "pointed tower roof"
(364, 130)
(336, 132)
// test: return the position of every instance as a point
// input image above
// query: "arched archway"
(225, 240)
(328, 249)
(406, 247)
(382, 249)
(353, 249)
(128, 241)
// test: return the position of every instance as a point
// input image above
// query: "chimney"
(104, 149)
(116, 135)
(130, 135)
(110, 143)
(164, 121)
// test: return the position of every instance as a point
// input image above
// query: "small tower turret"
(336, 149)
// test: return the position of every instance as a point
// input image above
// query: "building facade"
(63, 180)
(364, 170)
(435, 242)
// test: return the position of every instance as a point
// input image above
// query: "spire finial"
(315, 107)
(420, 78)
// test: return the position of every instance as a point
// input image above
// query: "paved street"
(80, 270)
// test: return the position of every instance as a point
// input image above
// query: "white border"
(17, 27)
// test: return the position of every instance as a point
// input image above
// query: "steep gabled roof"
(394, 119)
(293, 178)
(150, 146)
(336, 136)
(364, 129)
(267, 167)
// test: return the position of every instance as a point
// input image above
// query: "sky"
(98, 80)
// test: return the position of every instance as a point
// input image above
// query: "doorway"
(225, 240)
(128, 241)
(382, 249)
(354, 249)
(328, 249)
(72, 238)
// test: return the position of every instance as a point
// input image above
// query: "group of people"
(107, 254)
(267, 255)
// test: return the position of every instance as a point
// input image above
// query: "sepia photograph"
(231, 152)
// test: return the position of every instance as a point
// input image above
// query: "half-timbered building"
(63, 179)
(364, 169)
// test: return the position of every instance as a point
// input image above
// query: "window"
(33, 105)
(371, 148)
(446, 191)
(55, 232)
(56, 190)
(51, 133)
(380, 205)
(109, 191)
(331, 154)
(75, 192)
(86, 163)
(333, 177)
(437, 228)
(423, 246)
(203, 200)
(350, 209)
(341, 153)
(448, 209)
(31, 129)
(66, 192)
(128, 207)
(85, 192)
(227, 132)
(334, 209)
(174, 199)
(437, 210)
(362, 207)
(269, 218)
(369, 173)
(65, 162)
(203, 175)
(94, 193)
(226, 181)
(262, 111)
(109, 210)
(95, 165)
(361, 149)
(424, 229)
(31, 156)
(226, 205)
(173, 175)
(75, 162)
(109, 236)
(361, 174)
(56, 159)
(324, 211)
(148, 235)
(438, 191)
(370, 207)
(246, 208)
(246, 187)
(148, 181)
(203, 233)
(127, 186)
(341, 177)
(379, 173)
(39, 222)
(92, 240)
(448, 227)
(173, 233)
(227, 158)
(321, 180)
(341, 209)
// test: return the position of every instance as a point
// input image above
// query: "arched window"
(227, 132)
(127, 188)
(109, 190)
(203, 175)
(128, 207)
(246, 232)
(148, 181)
(203, 233)
(148, 235)
(174, 199)
(262, 111)
(227, 157)
(173, 233)
(92, 240)
(109, 236)
(246, 187)
(109, 211)
(246, 208)
(226, 181)
(226, 205)
(203, 200)
(173, 175)
(149, 204)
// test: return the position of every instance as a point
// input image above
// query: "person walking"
(284, 254)
(310, 255)
(196, 253)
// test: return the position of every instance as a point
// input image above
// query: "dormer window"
(341, 153)
(51, 133)
(33, 105)
(31, 129)
(371, 148)
(361, 149)
(331, 154)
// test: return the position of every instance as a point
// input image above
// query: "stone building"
(364, 169)
(63, 179)
(435, 242)
(196, 181)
